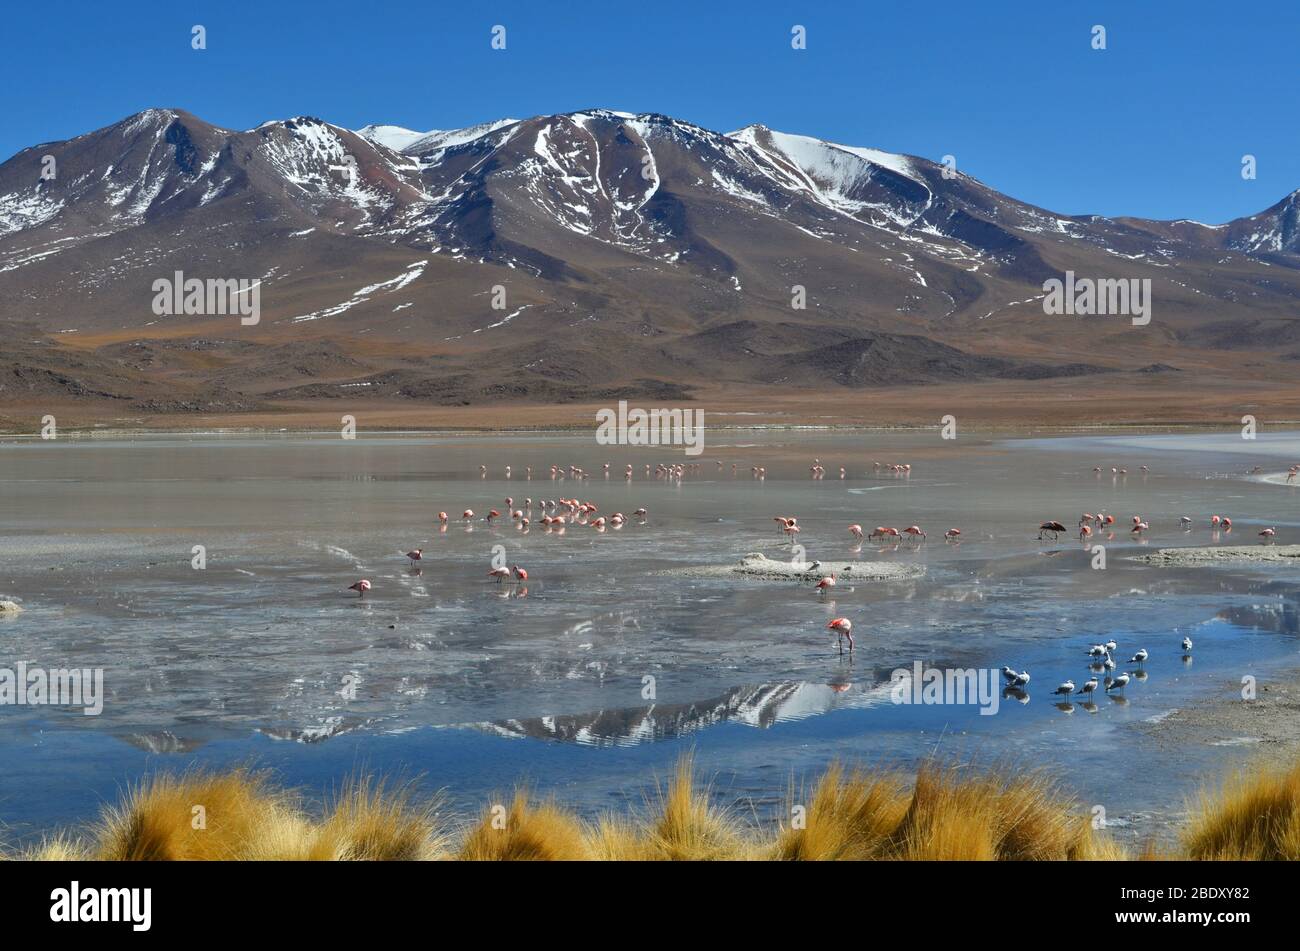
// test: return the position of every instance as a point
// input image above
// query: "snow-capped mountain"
(677, 248)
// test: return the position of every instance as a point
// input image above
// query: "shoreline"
(989, 431)
(1268, 724)
(1199, 556)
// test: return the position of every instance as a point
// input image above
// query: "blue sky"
(1156, 125)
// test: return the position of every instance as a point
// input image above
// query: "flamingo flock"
(559, 514)
(567, 512)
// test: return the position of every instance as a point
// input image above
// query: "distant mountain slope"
(634, 253)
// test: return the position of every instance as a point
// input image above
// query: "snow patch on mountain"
(362, 295)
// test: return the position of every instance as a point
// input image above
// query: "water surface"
(441, 674)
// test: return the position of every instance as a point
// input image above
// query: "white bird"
(1010, 674)
(1065, 689)
(1108, 663)
(1110, 645)
(1118, 683)
(1140, 657)
(1097, 650)
(1089, 687)
(1187, 643)
(1022, 678)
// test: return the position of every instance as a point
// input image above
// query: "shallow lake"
(593, 678)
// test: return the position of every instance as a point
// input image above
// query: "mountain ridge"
(629, 249)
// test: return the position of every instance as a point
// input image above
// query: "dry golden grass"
(371, 823)
(943, 813)
(525, 833)
(196, 816)
(849, 818)
(55, 848)
(683, 827)
(942, 816)
(1253, 816)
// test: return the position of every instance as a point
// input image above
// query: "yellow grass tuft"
(526, 832)
(55, 848)
(688, 828)
(844, 819)
(991, 817)
(944, 816)
(369, 822)
(1253, 816)
(196, 816)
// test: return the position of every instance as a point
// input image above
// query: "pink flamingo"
(415, 555)
(952, 534)
(914, 531)
(843, 628)
(499, 574)
(1268, 533)
(1085, 531)
(827, 582)
(856, 531)
(442, 517)
(361, 587)
(519, 573)
(1139, 528)
(469, 514)
(884, 531)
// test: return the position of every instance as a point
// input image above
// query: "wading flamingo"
(415, 555)
(843, 628)
(361, 587)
